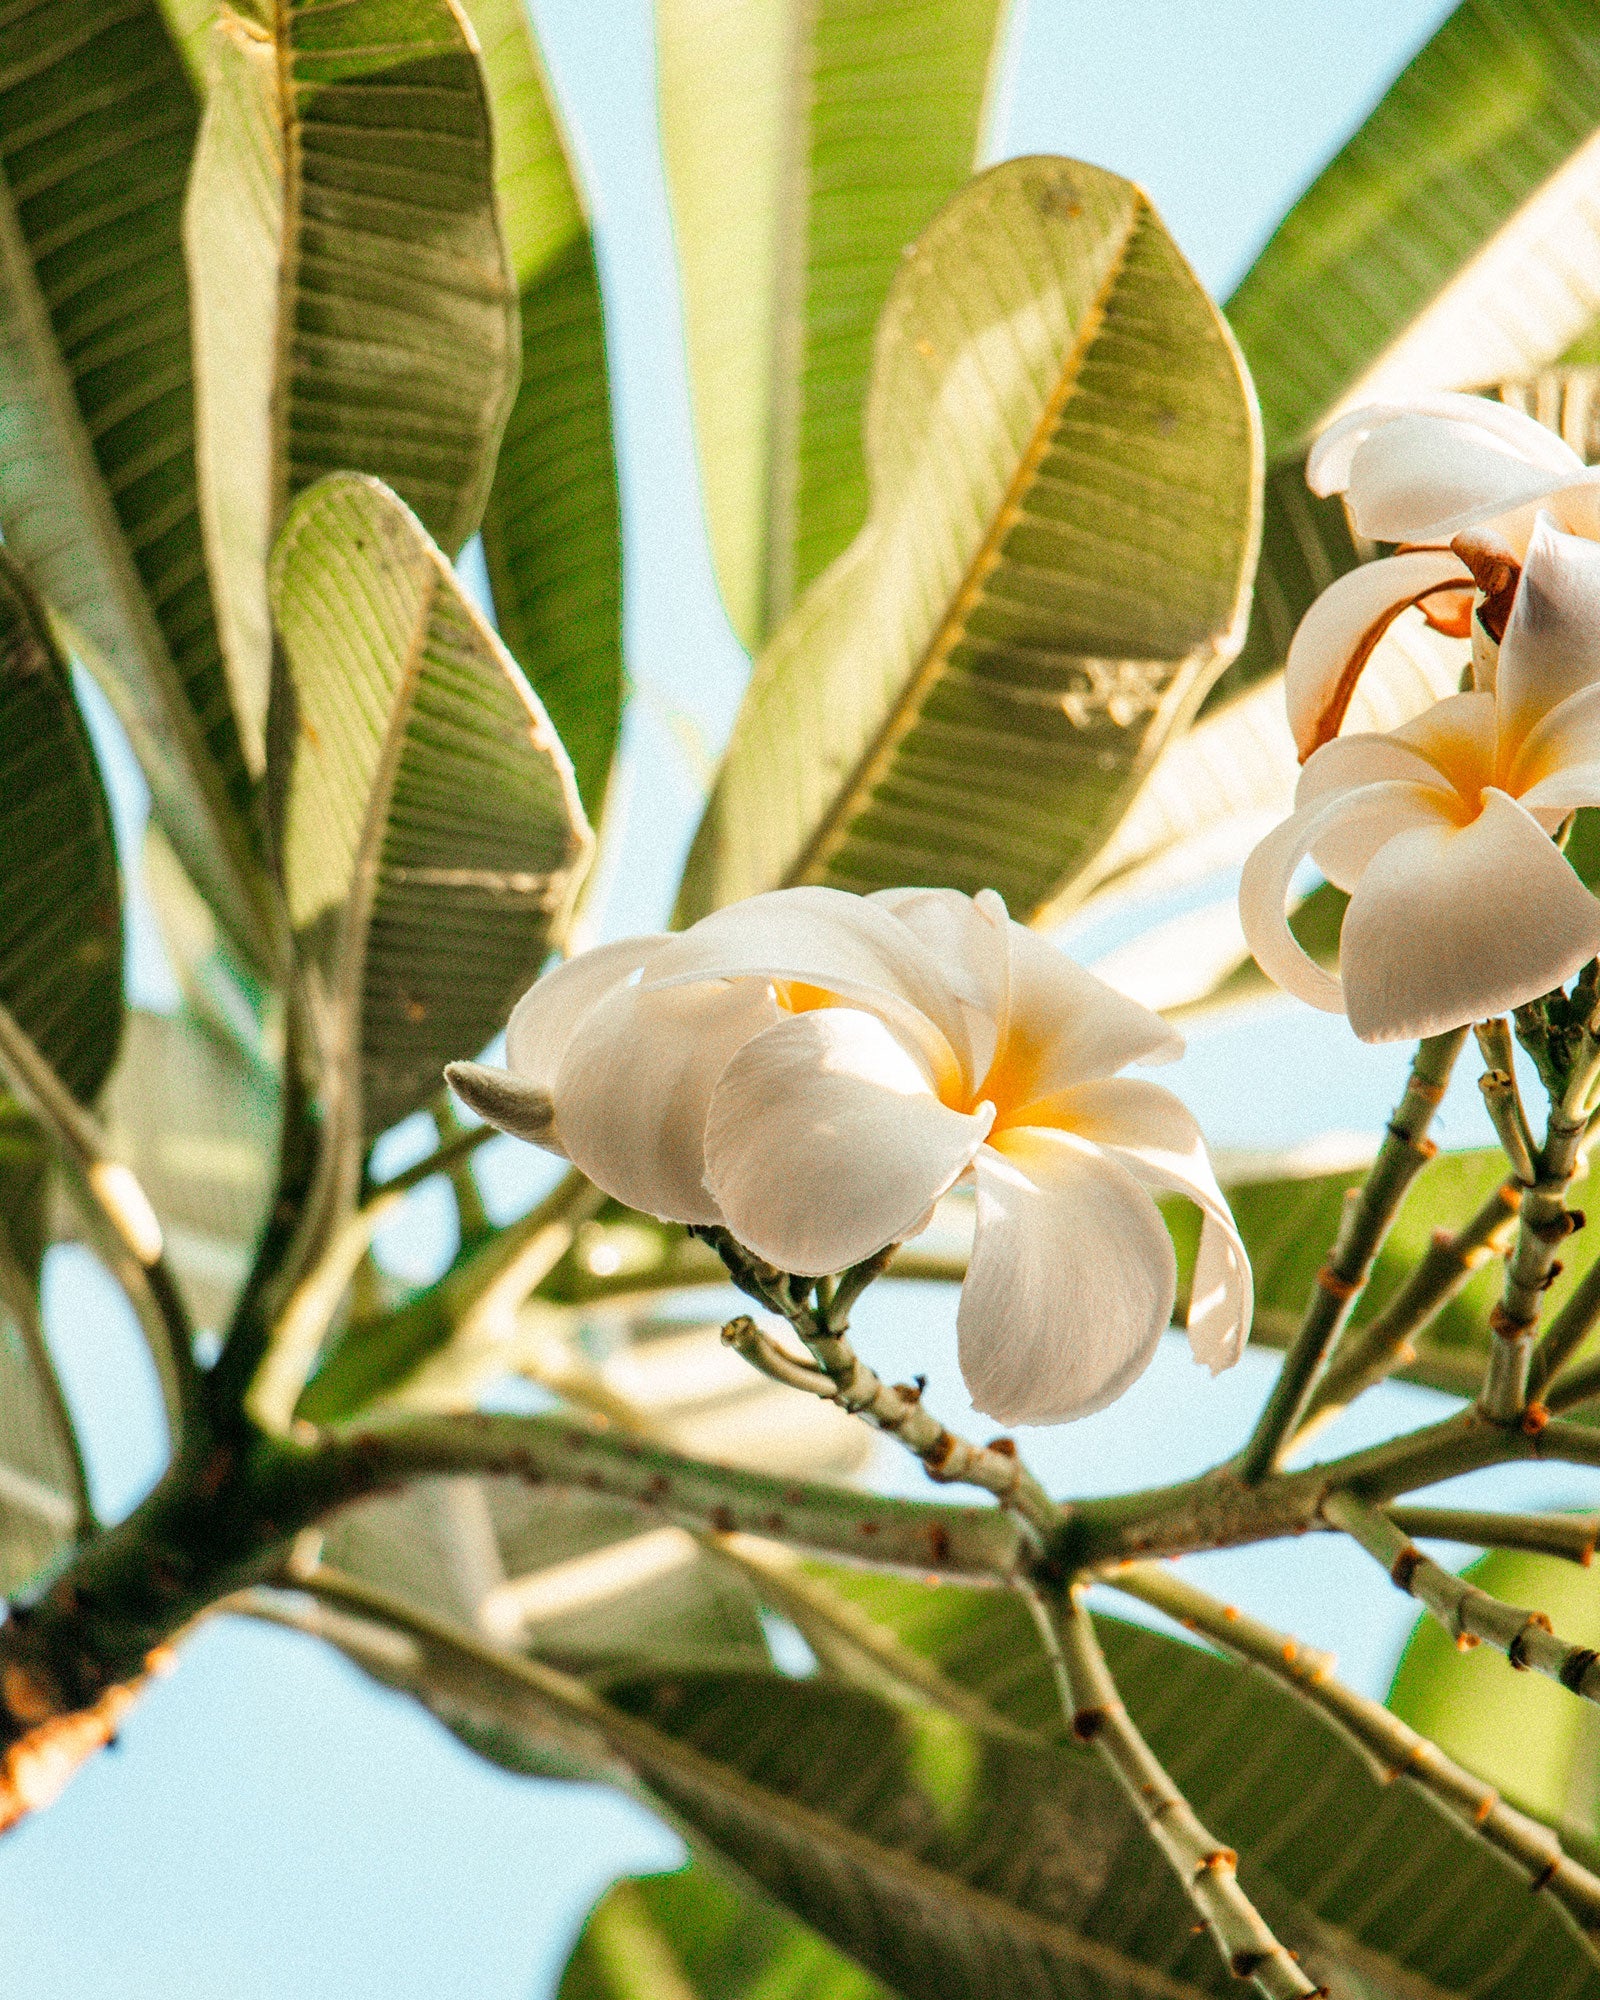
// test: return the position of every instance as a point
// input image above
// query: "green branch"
(1205, 1868)
(1390, 1747)
(1369, 1212)
(1464, 1611)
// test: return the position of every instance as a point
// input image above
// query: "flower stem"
(1572, 1536)
(1391, 1747)
(1565, 1334)
(1466, 1613)
(841, 1376)
(1206, 1869)
(1369, 1212)
(1366, 1354)
(1503, 1100)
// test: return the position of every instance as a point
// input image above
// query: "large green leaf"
(1453, 242)
(1527, 1735)
(197, 1121)
(1037, 600)
(97, 478)
(353, 304)
(432, 833)
(43, 1492)
(806, 146)
(552, 529)
(60, 897)
(694, 1936)
(1334, 1858)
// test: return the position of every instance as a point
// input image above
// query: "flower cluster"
(812, 1070)
(1461, 904)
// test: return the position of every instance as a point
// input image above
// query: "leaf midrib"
(833, 830)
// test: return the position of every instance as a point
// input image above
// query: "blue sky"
(273, 1825)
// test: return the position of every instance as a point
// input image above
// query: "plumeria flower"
(1457, 481)
(812, 1070)
(1461, 905)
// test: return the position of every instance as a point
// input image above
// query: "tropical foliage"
(295, 302)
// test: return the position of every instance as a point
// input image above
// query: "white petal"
(1336, 637)
(848, 945)
(1353, 761)
(506, 1100)
(1455, 924)
(968, 937)
(1374, 814)
(1156, 1137)
(1070, 1284)
(1551, 647)
(1421, 470)
(1556, 751)
(1066, 1026)
(632, 1092)
(545, 1018)
(824, 1142)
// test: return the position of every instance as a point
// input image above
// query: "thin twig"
(842, 1377)
(1566, 1333)
(120, 1222)
(1572, 1536)
(1544, 1223)
(1206, 1869)
(1368, 1214)
(1466, 1613)
(1503, 1100)
(1389, 1746)
(1368, 1353)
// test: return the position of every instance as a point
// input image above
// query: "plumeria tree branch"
(1464, 1611)
(1369, 1213)
(1367, 1354)
(1563, 1337)
(839, 1375)
(1572, 1536)
(1389, 1746)
(1207, 1870)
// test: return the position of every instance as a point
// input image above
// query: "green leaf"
(693, 1936)
(972, 693)
(355, 312)
(1452, 242)
(218, 987)
(43, 1491)
(1332, 1857)
(1528, 1736)
(805, 147)
(552, 534)
(97, 479)
(197, 1121)
(60, 896)
(433, 836)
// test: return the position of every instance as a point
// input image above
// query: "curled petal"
(1372, 816)
(502, 1098)
(1066, 1026)
(1156, 1138)
(968, 937)
(851, 946)
(1070, 1283)
(1422, 470)
(1339, 633)
(1350, 762)
(1558, 768)
(824, 1143)
(1455, 924)
(546, 1017)
(1551, 648)
(633, 1089)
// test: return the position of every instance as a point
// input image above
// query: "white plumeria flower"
(1461, 905)
(1459, 481)
(813, 1070)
